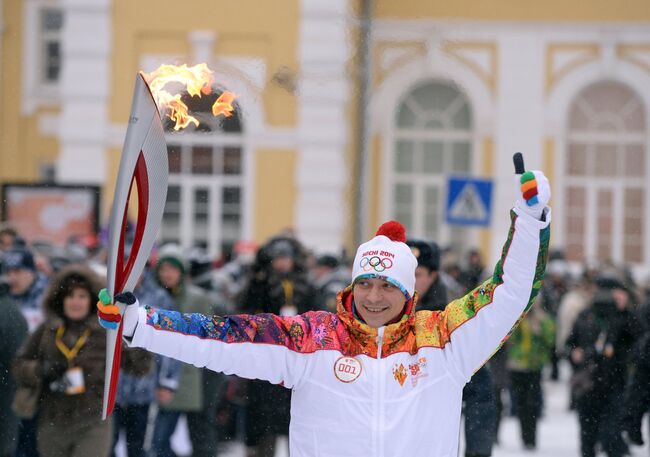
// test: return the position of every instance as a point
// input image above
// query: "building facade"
(453, 89)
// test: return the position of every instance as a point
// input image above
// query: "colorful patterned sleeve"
(475, 326)
(261, 346)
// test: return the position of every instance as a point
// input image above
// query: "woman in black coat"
(599, 347)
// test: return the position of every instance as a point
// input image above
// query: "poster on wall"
(51, 212)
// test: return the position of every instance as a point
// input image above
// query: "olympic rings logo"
(375, 263)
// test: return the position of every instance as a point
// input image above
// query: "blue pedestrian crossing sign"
(469, 201)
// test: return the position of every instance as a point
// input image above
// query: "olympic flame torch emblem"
(144, 167)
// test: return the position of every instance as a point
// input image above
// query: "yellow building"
(453, 88)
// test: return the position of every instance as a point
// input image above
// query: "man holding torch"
(375, 378)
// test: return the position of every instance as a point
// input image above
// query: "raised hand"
(533, 189)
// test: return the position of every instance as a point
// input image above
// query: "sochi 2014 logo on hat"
(377, 261)
(347, 369)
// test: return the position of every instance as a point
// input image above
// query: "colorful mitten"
(534, 193)
(108, 313)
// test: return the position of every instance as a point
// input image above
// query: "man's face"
(20, 280)
(282, 264)
(424, 279)
(170, 276)
(378, 302)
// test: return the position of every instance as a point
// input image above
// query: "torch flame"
(197, 81)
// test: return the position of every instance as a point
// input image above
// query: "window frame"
(393, 134)
(215, 183)
(36, 91)
(617, 184)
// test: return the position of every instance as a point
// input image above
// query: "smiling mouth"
(375, 309)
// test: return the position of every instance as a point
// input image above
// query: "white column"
(202, 42)
(519, 114)
(85, 89)
(322, 174)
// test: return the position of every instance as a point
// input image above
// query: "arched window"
(433, 139)
(206, 180)
(605, 168)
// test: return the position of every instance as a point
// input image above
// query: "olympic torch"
(144, 166)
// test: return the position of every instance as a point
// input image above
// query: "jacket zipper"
(379, 381)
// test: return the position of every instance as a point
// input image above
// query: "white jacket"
(362, 391)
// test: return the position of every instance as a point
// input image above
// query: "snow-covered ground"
(558, 433)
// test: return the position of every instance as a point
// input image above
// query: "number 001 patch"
(347, 369)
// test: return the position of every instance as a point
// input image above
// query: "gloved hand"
(51, 370)
(534, 193)
(109, 314)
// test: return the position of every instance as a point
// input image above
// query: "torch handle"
(518, 161)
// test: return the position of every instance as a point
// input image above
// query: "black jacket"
(266, 294)
(434, 299)
(13, 330)
(637, 395)
(607, 337)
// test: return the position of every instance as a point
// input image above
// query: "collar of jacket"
(364, 337)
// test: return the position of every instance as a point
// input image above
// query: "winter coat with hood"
(57, 407)
(357, 390)
(188, 298)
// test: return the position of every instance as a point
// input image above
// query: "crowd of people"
(52, 357)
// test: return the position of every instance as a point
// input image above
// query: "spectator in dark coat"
(474, 271)
(637, 394)
(432, 291)
(330, 277)
(599, 348)
(13, 330)
(26, 285)
(278, 285)
(26, 288)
